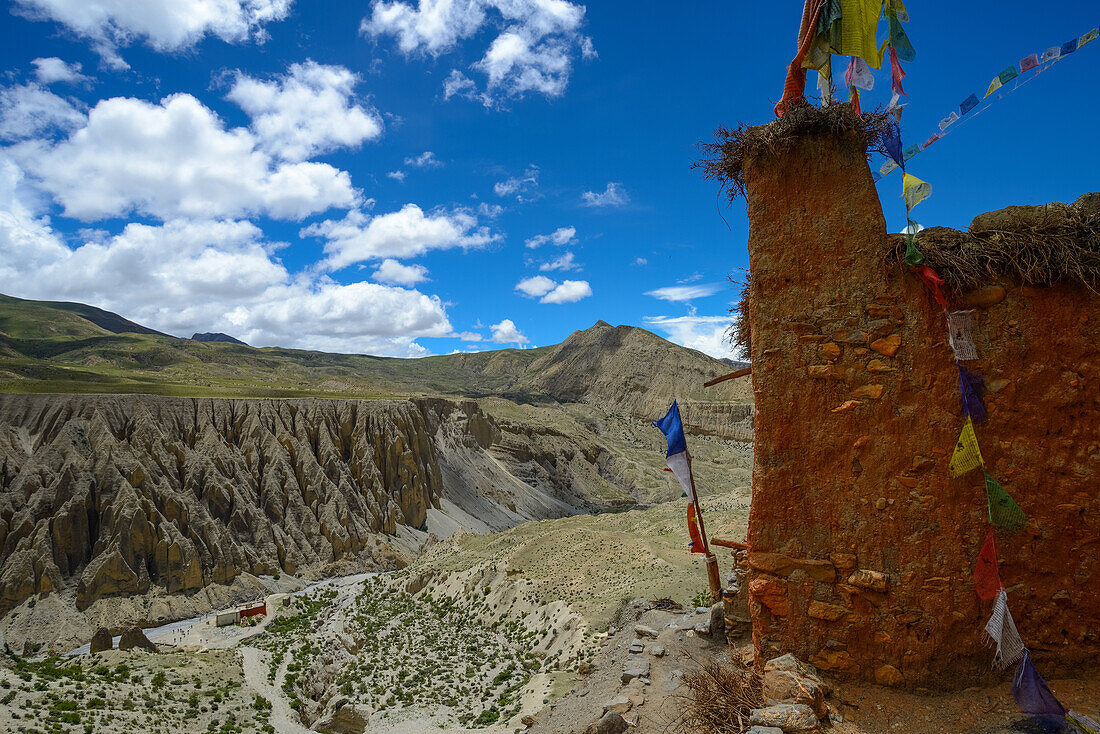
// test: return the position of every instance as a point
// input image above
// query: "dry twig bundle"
(719, 700)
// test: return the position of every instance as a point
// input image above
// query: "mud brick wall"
(861, 545)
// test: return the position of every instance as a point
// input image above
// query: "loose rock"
(101, 640)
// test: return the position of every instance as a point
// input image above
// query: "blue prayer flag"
(1033, 696)
(892, 145)
(1069, 47)
(673, 429)
(911, 151)
(968, 104)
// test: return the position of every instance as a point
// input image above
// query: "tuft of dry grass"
(725, 158)
(719, 700)
(1061, 249)
(739, 334)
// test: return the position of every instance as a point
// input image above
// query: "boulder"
(791, 718)
(101, 640)
(346, 719)
(135, 638)
(609, 723)
(1013, 218)
(635, 668)
(643, 631)
(619, 704)
(789, 681)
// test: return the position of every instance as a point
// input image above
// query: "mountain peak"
(216, 336)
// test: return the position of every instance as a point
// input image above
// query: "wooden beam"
(730, 376)
(729, 544)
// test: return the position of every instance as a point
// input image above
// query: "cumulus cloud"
(52, 69)
(208, 275)
(177, 159)
(640, 261)
(561, 236)
(506, 333)
(569, 291)
(408, 232)
(704, 333)
(613, 196)
(565, 262)
(489, 211)
(31, 111)
(519, 186)
(685, 292)
(391, 272)
(538, 285)
(164, 25)
(398, 176)
(533, 52)
(309, 110)
(426, 159)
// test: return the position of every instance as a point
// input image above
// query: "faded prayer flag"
(887, 167)
(1029, 63)
(967, 456)
(1088, 37)
(914, 191)
(1033, 695)
(947, 121)
(987, 577)
(1003, 510)
(968, 104)
(1002, 631)
(911, 151)
(860, 75)
(1051, 53)
(960, 325)
(931, 140)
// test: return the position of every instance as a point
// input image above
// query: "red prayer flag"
(1029, 63)
(696, 544)
(896, 72)
(987, 578)
(932, 279)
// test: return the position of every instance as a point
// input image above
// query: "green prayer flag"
(1003, 510)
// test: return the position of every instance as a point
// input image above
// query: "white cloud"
(565, 262)
(538, 285)
(165, 25)
(469, 336)
(426, 159)
(506, 333)
(398, 176)
(489, 211)
(533, 51)
(640, 261)
(612, 196)
(394, 273)
(405, 233)
(209, 275)
(518, 185)
(309, 110)
(570, 291)
(52, 69)
(704, 333)
(177, 159)
(685, 292)
(31, 111)
(561, 236)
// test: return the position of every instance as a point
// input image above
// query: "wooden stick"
(714, 578)
(730, 376)
(736, 545)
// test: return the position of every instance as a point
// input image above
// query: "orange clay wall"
(862, 546)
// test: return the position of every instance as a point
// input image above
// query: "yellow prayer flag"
(993, 86)
(1087, 38)
(914, 191)
(967, 457)
(858, 26)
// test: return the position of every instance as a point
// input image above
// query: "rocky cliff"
(115, 495)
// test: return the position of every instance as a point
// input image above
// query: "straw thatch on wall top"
(1039, 245)
(724, 159)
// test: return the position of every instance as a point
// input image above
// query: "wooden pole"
(731, 376)
(714, 577)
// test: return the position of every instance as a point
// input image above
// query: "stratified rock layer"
(862, 547)
(115, 494)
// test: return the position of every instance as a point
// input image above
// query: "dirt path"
(283, 718)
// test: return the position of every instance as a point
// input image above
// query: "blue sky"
(262, 168)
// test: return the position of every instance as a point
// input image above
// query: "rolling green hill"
(73, 348)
